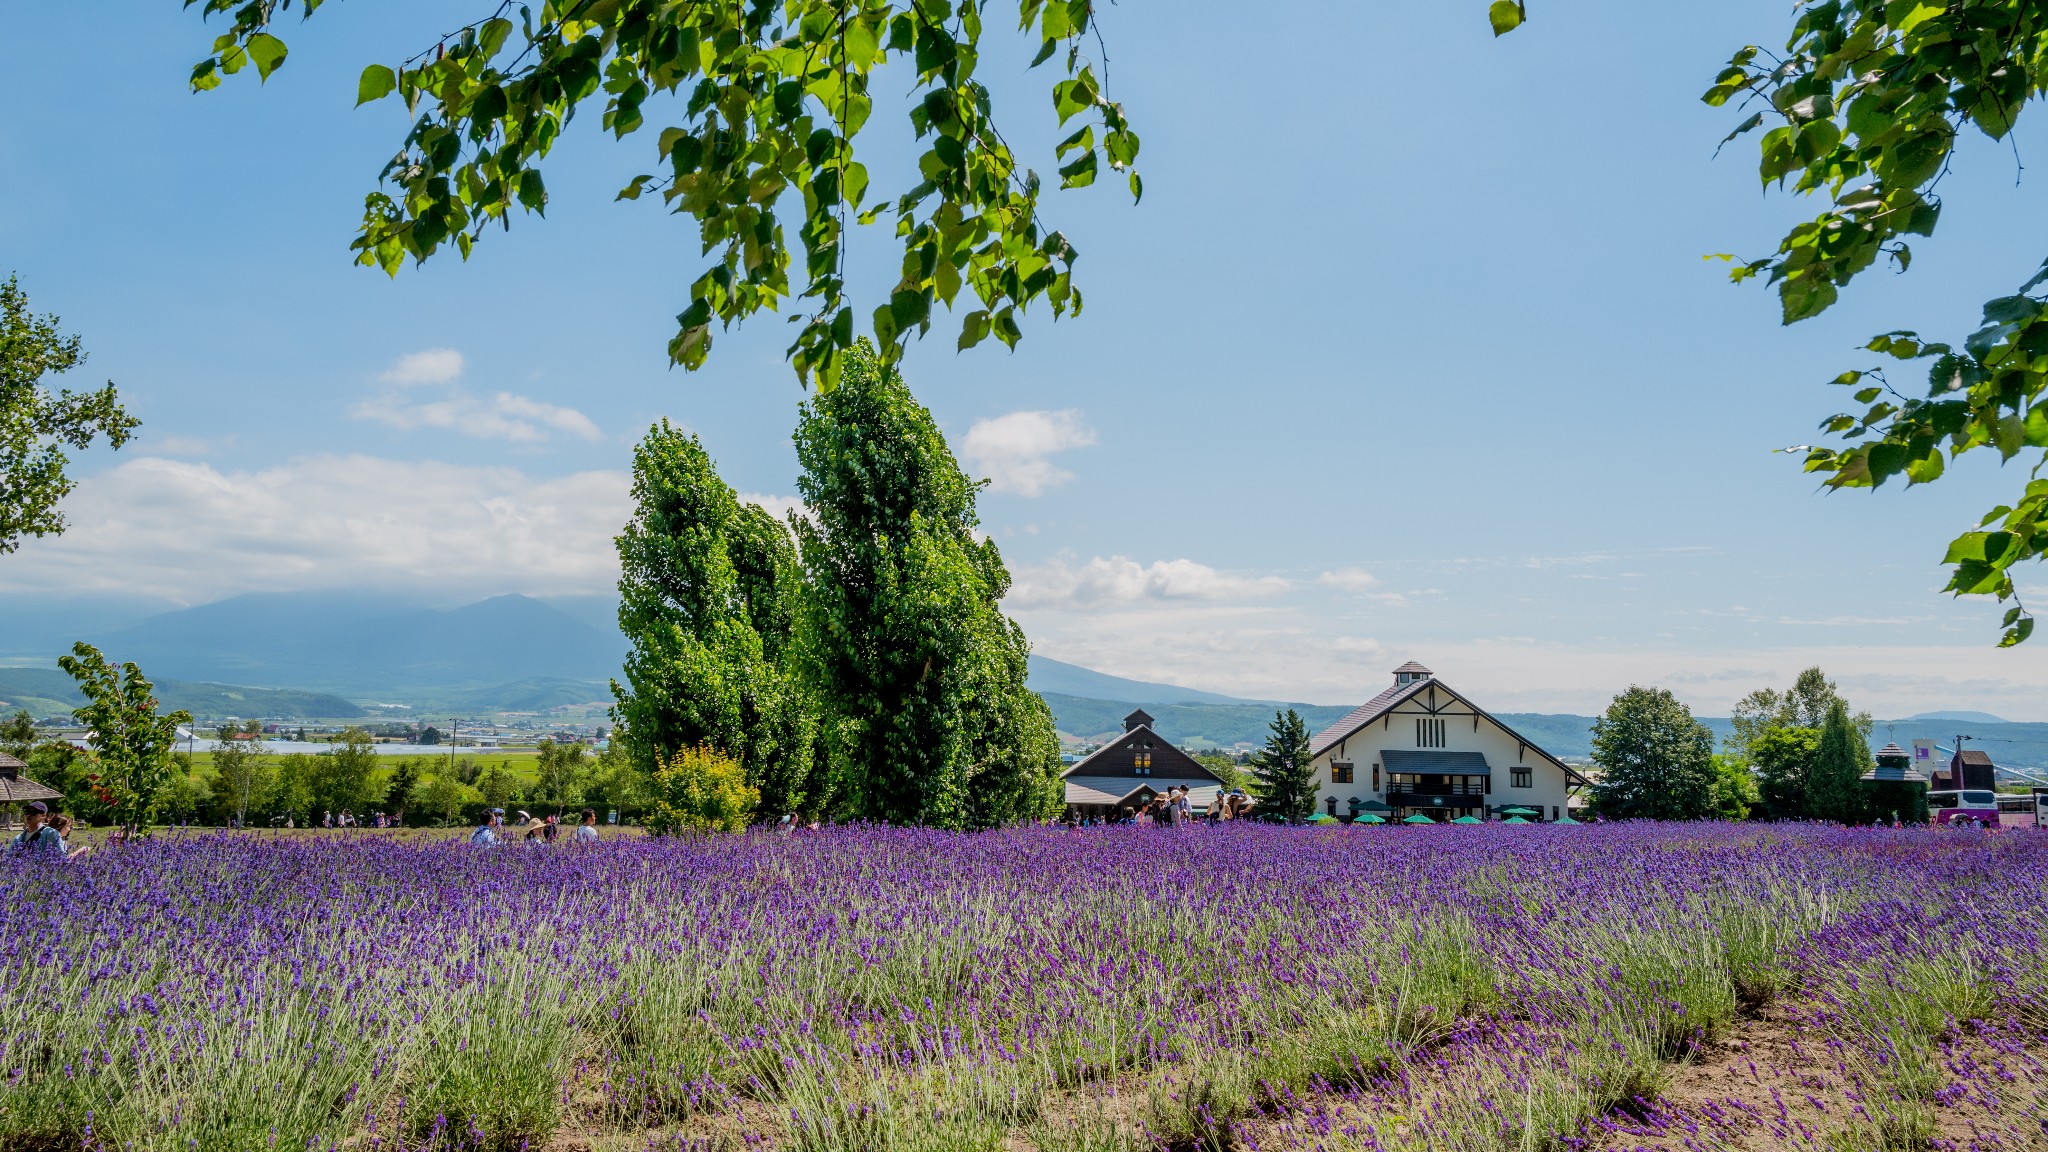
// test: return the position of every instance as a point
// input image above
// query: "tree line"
(1796, 754)
(241, 780)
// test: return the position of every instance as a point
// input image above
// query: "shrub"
(701, 789)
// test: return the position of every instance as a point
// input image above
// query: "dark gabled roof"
(1362, 715)
(1137, 718)
(1973, 757)
(1177, 765)
(1435, 761)
(1413, 668)
(1356, 720)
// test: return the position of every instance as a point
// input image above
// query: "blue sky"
(1409, 352)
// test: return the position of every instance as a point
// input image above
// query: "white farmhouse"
(1420, 747)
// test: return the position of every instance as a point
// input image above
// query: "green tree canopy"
(238, 764)
(1834, 784)
(1283, 772)
(1783, 757)
(700, 575)
(1804, 705)
(131, 744)
(36, 425)
(770, 98)
(1736, 795)
(1656, 761)
(918, 675)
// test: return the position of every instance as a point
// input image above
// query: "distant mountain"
(367, 645)
(1961, 717)
(1223, 724)
(1047, 675)
(47, 692)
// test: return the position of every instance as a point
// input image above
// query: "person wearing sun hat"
(36, 835)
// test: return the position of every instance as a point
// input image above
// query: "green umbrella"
(1321, 819)
(1518, 811)
(1514, 820)
(1565, 820)
(1468, 820)
(1369, 818)
(1418, 818)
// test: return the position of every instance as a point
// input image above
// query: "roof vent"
(1410, 672)
(1137, 720)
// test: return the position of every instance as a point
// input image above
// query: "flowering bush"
(701, 790)
(885, 990)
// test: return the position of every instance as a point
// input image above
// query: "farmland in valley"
(862, 990)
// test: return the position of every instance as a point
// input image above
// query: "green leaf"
(376, 82)
(1079, 173)
(267, 51)
(1505, 16)
(1137, 188)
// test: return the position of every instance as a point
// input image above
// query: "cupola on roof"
(1410, 672)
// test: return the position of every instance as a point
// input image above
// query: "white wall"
(1549, 783)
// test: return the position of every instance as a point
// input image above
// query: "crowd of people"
(530, 830)
(1171, 808)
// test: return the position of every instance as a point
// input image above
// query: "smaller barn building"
(1131, 769)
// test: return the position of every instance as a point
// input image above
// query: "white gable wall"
(1463, 730)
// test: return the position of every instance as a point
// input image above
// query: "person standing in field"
(487, 833)
(36, 836)
(586, 832)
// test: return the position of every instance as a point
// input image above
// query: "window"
(1429, 732)
(1553, 811)
(1340, 773)
(1524, 778)
(1143, 760)
(1375, 777)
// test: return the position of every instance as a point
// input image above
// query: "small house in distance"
(1131, 769)
(1421, 748)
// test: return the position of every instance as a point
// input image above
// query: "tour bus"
(1963, 806)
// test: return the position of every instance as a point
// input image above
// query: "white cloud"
(433, 366)
(1012, 451)
(504, 416)
(777, 506)
(1348, 579)
(188, 531)
(1119, 579)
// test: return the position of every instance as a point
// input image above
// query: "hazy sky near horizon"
(1409, 353)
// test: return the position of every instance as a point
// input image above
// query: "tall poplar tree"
(918, 676)
(704, 590)
(1283, 772)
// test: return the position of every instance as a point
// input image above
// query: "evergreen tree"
(701, 576)
(1834, 785)
(1283, 772)
(405, 781)
(1656, 761)
(918, 676)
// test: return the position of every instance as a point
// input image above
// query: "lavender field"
(1499, 988)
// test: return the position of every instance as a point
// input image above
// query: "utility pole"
(454, 726)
